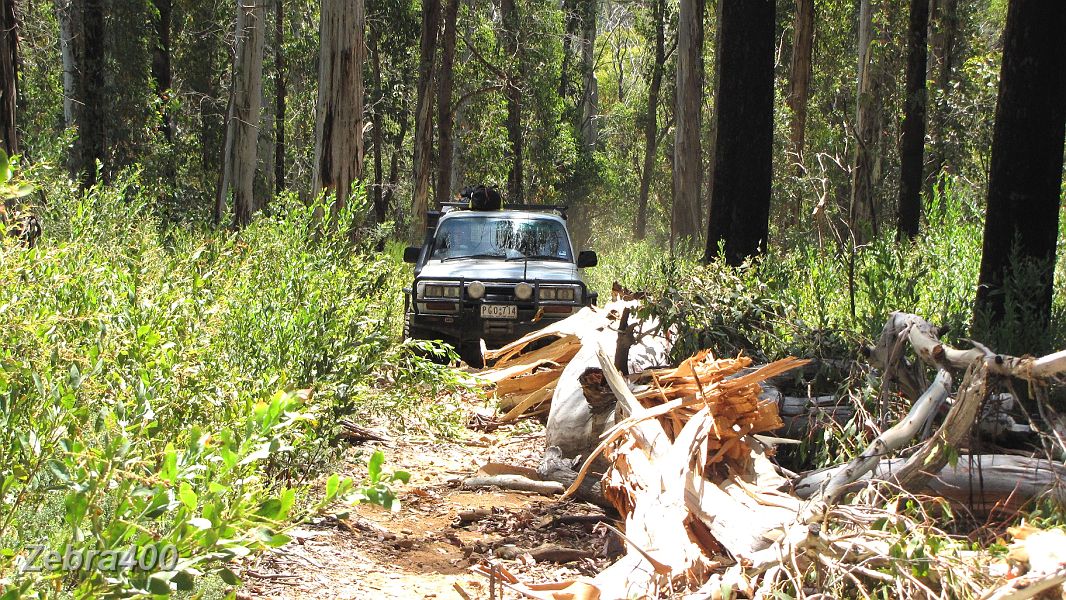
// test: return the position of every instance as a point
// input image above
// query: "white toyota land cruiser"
(493, 275)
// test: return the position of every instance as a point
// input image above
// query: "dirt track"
(420, 552)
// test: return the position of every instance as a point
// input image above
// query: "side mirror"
(587, 258)
(411, 254)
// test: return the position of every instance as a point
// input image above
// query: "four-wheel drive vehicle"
(493, 275)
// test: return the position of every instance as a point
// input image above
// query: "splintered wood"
(525, 381)
(525, 372)
(722, 388)
(682, 438)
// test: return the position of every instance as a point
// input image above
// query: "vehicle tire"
(470, 353)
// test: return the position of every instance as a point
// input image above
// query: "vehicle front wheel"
(470, 353)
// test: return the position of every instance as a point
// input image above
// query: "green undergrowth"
(181, 384)
(813, 297)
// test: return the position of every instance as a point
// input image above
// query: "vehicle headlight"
(438, 290)
(476, 290)
(523, 291)
(564, 294)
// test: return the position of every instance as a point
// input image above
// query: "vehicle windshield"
(505, 238)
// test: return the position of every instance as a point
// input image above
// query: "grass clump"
(179, 385)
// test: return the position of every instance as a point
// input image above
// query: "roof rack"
(558, 208)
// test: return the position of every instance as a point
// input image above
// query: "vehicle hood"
(487, 268)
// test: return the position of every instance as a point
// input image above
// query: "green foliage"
(179, 385)
(377, 489)
(12, 184)
(811, 300)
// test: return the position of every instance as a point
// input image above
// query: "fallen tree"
(705, 509)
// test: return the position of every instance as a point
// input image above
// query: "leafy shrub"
(179, 385)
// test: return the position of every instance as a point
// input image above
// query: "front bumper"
(468, 327)
(465, 325)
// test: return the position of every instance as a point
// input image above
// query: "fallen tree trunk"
(979, 363)
(553, 467)
(991, 480)
(705, 509)
(514, 482)
(891, 440)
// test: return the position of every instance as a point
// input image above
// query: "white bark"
(339, 112)
(242, 120)
(989, 478)
(979, 362)
(66, 51)
(896, 437)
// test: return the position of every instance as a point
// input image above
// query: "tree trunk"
(423, 141)
(202, 77)
(799, 86)
(743, 149)
(651, 116)
(863, 212)
(377, 133)
(688, 156)
(943, 27)
(394, 168)
(161, 71)
(445, 113)
(1025, 179)
(590, 93)
(339, 112)
(512, 47)
(570, 26)
(82, 47)
(8, 76)
(242, 119)
(912, 145)
(279, 96)
(68, 33)
(92, 124)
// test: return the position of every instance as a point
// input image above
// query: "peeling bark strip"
(339, 112)
(242, 119)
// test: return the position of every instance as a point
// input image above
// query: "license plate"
(499, 311)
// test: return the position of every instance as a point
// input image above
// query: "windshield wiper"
(539, 257)
(446, 259)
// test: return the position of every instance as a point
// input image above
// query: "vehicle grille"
(500, 292)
